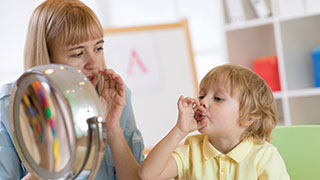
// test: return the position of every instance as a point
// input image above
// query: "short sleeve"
(181, 156)
(272, 167)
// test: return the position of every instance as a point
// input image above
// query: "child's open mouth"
(199, 115)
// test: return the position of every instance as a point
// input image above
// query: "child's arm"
(159, 164)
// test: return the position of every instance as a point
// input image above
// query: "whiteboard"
(157, 64)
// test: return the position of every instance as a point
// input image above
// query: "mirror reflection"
(43, 131)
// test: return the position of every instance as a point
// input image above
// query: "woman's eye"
(218, 99)
(77, 55)
(99, 48)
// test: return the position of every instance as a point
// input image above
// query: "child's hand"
(112, 98)
(186, 121)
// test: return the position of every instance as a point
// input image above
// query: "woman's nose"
(92, 62)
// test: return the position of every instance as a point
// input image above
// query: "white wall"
(14, 16)
(14, 19)
(204, 17)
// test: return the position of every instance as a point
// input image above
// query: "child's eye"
(78, 55)
(218, 99)
(201, 97)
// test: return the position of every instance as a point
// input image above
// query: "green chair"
(299, 147)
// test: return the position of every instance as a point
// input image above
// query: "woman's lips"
(91, 78)
(199, 115)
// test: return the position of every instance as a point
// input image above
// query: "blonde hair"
(255, 97)
(56, 23)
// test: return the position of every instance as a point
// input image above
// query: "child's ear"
(247, 122)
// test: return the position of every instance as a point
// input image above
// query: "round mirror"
(56, 120)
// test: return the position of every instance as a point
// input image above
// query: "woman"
(68, 32)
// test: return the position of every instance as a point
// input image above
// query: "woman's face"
(87, 57)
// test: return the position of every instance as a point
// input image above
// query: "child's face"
(221, 111)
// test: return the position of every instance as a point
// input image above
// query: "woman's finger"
(120, 87)
(109, 78)
(112, 76)
(106, 78)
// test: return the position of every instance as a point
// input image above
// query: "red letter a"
(135, 59)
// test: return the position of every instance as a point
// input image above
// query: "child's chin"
(202, 130)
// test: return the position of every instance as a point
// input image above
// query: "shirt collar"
(5, 90)
(209, 151)
(237, 154)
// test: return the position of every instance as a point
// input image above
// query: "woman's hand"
(112, 98)
(186, 121)
(28, 177)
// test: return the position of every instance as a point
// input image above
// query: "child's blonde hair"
(255, 97)
(57, 23)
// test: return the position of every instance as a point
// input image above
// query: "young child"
(235, 114)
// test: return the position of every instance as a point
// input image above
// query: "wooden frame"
(183, 23)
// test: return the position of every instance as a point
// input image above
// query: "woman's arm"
(28, 177)
(10, 164)
(130, 131)
(113, 99)
(160, 164)
(124, 161)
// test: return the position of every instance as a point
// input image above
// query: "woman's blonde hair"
(56, 23)
(255, 97)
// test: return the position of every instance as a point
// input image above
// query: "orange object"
(267, 68)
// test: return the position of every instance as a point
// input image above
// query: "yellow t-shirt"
(197, 159)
